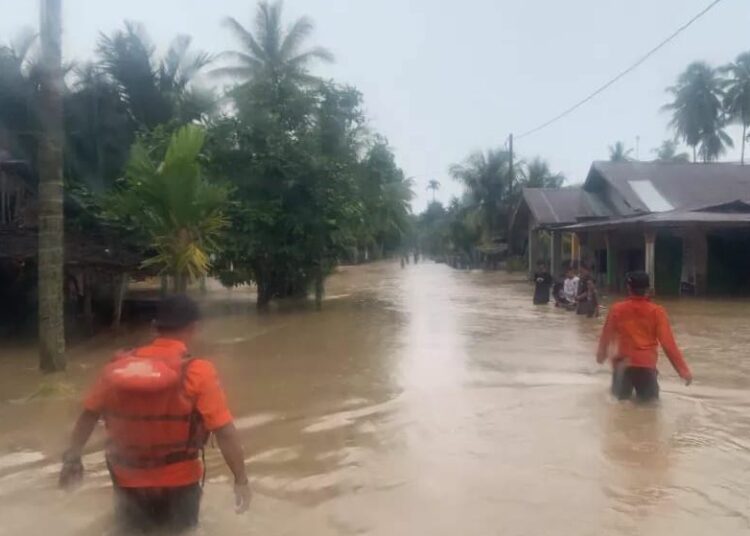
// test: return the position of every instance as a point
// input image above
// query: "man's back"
(638, 326)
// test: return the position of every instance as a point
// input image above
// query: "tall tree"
(539, 175)
(697, 115)
(667, 152)
(156, 91)
(269, 52)
(19, 96)
(619, 153)
(487, 178)
(737, 94)
(434, 186)
(51, 259)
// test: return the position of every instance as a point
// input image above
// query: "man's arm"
(667, 341)
(234, 456)
(72, 469)
(606, 338)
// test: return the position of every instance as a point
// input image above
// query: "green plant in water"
(173, 206)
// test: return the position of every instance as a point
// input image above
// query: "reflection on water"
(423, 401)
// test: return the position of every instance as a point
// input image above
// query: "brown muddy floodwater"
(423, 401)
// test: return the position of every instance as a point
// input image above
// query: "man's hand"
(242, 496)
(601, 358)
(71, 474)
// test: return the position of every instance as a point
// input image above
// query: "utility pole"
(511, 170)
(637, 147)
(51, 246)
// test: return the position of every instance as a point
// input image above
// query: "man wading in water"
(638, 326)
(159, 406)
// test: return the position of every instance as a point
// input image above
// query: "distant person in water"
(159, 406)
(637, 327)
(570, 288)
(587, 298)
(542, 284)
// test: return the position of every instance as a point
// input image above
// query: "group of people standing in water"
(575, 292)
(633, 331)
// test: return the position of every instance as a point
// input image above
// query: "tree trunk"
(121, 290)
(51, 254)
(744, 139)
(264, 295)
(319, 288)
(88, 309)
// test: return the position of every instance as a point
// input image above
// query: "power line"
(623, 73)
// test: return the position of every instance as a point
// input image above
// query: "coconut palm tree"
(174, 206)
(697, 115)
(269, 52)
(487, 177)
(51, 322)
(618, 153)
(19, 96)
(667, 152)
(156, 91)
(737, 94)
(539, 175)
(433, 185)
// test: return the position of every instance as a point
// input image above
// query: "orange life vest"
(150, 419)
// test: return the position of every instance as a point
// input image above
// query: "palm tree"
(667, 152)
(173, 204)
(487, 178)
(19, 96)
(155, 91)
(433, 185)
(618, 153)
(539, 175)
(51, 322)
(697, 115)
(269, 52)
(737, 94)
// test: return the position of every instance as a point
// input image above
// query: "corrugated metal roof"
(681, 185)
(557, 206)
(717, 216)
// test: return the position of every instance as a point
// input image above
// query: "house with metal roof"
(688, 225)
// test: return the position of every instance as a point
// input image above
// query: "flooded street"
(422, 401)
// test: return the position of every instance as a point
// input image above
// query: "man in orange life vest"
(639, 326)
(159, 406)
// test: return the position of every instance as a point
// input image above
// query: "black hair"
(638, 282)
(176, 312)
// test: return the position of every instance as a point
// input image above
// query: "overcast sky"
(442, 79)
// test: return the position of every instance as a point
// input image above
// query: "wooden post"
(700, 252)
(575, 249)
(555, 253)
(611, 262)
(88, 310)
(650, 237)
(121, 289)
(532, 251)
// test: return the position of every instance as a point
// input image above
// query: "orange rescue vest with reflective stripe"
(150, 419)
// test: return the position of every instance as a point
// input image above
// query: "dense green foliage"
(304, 183)
(167, 200)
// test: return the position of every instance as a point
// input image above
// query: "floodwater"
(423, 401)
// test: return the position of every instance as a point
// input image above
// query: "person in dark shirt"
(588, 296)
(542, 284)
